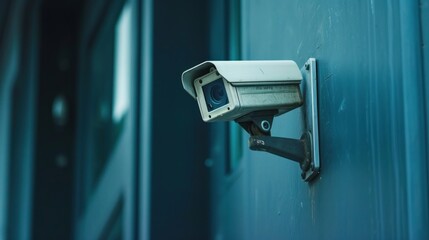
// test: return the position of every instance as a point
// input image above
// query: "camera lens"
(215, 94)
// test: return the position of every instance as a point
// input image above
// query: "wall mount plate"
(311, 116)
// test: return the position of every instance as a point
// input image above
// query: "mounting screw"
(307, 66)
(265, 125)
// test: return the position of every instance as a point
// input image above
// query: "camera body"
(252, 93)
(229, 90)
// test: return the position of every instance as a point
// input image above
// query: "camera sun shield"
(228, 90)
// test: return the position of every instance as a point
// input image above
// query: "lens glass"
(215, 94)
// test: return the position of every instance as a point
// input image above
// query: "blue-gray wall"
(372, 118)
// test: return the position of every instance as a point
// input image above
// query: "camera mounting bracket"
(305, 150)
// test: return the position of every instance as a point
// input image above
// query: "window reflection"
(122, 65)
(108, 98)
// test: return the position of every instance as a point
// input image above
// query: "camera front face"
(215, 96)
(228, 90)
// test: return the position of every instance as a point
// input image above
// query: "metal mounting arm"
(258, 125)
(293, 149)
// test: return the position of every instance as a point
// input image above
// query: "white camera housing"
(227, 90)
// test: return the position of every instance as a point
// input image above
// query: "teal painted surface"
(373, 183)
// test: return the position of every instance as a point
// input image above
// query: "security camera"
(252, 93)
(230, 90)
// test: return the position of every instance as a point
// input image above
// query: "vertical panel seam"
(414, 124)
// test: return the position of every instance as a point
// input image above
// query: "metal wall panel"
(371, 118)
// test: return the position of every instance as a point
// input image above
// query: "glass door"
(106, 125)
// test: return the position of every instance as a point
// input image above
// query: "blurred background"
(95, 125)
(98, 139)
